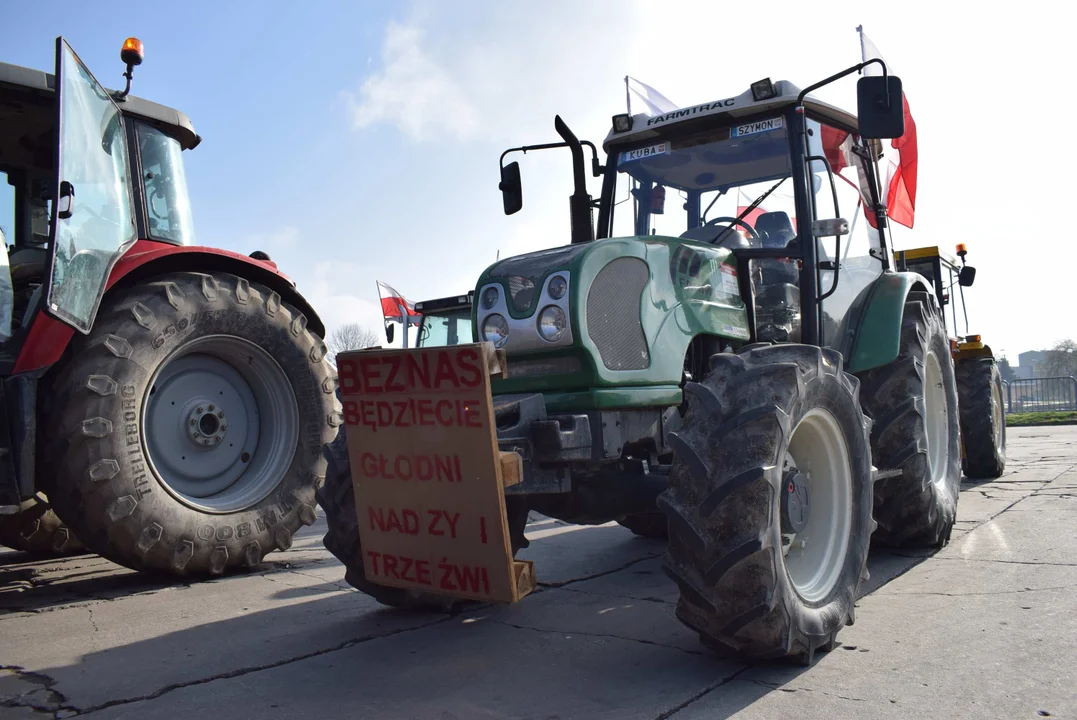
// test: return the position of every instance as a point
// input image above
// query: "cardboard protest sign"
(427, 474)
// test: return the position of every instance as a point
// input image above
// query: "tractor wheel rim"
(220, 423)
(935, 415)
(816, 555)
(997, 415)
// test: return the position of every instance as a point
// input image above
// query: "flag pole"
(628, 97)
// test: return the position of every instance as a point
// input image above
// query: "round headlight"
(558, 286)
(489, 298)
(552, 323)
(495, 329)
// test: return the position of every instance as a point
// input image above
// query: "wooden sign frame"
(427, 473)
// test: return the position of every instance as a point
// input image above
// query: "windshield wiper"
(759, 200)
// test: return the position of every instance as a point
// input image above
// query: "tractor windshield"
(168, 207)
(684, 183)
(732, 187)
(449, 328)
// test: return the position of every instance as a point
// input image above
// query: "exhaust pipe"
(579, 203)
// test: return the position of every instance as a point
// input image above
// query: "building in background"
(1027, 362)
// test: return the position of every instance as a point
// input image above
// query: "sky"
(359, 141)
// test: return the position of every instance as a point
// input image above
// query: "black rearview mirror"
(390, 332)
(880, 110)
(511, 189)
(967, 276)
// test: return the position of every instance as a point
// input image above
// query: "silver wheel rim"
(814, 557)
(996, 412)
(935, 416)
(220, 424)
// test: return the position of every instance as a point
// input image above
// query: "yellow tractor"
(979, 383)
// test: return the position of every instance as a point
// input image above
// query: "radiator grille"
(613, 312)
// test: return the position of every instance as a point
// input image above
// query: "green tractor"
(979, 382)
(743, 371)
(445, 321)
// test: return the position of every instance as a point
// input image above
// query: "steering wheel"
(731, 221)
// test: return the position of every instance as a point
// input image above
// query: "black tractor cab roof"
(28, 117)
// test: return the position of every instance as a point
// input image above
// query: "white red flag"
(656, 102)
(394, 306)
(900, 191)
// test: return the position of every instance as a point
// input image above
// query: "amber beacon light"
(132, 54)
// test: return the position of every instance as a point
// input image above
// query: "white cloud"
(412, 91)
(335, 293)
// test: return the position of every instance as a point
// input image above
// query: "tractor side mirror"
(880, 107)
(390, 332)
(967, 275)
(512, 192)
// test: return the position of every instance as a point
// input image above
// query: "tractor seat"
(775, 229)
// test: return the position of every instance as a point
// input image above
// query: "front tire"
(758, 579)
(983, 418)
(184, 434)
(913, 401)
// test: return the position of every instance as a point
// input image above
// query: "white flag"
(868, 51)
(656, 102)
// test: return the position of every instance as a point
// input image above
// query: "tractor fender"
(872, 333)
(48, 337)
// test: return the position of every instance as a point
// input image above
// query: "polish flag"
(901, 190)
(394, 306)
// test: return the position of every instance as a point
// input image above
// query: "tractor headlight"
(552, 323)
(558, 286)
(495, 329)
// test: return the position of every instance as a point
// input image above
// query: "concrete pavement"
(987, 627)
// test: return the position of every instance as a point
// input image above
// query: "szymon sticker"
(730, 286)
(756, 127)
(644, 152)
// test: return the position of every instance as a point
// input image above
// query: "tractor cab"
(92, 171)
(445, 321)
(726, 173)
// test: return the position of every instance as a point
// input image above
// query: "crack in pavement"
(776, 686)
(617, 597)
(584, 633)
(255, 668)
(702, 693)
(1004, 562)
(562, 583)
(993, 592)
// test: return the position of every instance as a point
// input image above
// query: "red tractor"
(164, 403)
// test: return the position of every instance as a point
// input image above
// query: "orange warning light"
(132, 52)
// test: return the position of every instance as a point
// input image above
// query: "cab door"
(93, 218)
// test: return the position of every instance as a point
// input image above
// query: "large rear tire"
(185, 432)
(37, 530)
(983, 417)
(762, 575)
(913, 402)
(337, 498)
(648, 525)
